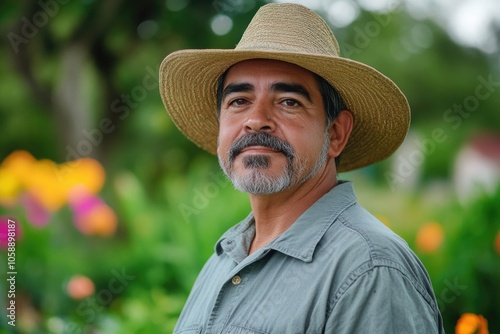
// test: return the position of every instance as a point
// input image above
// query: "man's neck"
(275, 213)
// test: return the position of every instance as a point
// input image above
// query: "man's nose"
(260, 118)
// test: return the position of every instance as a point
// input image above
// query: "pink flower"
(35, 211)
(91, 215)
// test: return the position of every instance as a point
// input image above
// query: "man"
(285, 113)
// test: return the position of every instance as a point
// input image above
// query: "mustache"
(260, 139)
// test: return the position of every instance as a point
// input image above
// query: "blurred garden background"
(114, 212)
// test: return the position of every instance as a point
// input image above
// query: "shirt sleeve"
(383, 300)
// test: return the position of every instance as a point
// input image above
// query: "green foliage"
(466, 271)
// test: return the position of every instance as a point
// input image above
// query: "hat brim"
(188, 80)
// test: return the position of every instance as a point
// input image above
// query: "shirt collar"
(236, 241)
(301, 239)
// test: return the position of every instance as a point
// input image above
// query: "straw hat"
(294, 34)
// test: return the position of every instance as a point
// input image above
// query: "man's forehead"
(251, 65)
(271, 71)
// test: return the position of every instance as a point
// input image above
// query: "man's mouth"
(259, 149)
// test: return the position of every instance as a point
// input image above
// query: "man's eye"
(291, 103)
(238, 102)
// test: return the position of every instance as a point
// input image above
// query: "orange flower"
(91, 215)
(429, 237)
(470, 323)
(80, 287)
(497, 243)
(99, 221)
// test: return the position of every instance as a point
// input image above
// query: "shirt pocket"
(243, 330)
(189, 330)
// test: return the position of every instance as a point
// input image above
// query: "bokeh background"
(115, 211)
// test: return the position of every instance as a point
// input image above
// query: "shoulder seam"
(372, 265)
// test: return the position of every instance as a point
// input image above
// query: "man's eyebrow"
(284, 87)
(237, 88)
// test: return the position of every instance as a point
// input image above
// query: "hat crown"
(289, 28)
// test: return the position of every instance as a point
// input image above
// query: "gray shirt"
(337, 269)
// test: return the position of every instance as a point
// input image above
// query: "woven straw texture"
(294, 34)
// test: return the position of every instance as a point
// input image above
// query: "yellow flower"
(43, 187)
(86, 173)
(9, 187)
(43, 184)
(429, 237)
(48, 183)
(20, 163)
(13, 170)
(470, 323)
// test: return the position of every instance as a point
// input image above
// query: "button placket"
(236, 280)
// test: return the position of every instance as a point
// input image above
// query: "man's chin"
(256, 161)
(259, 181)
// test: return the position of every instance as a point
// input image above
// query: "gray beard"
(258, 182)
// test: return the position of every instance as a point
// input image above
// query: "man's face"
(272, 132)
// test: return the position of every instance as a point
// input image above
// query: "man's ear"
(340, 131)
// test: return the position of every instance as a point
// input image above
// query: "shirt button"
(236, 280)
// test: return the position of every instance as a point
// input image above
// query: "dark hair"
(332, 100)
